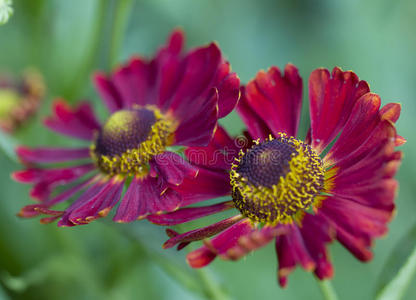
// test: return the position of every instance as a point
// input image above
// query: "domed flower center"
(129, 139)
(277, 180)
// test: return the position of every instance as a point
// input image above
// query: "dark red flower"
(19, 98)
(173, 99)
(336, 184)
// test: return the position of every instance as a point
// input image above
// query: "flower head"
(337, 183)
(19, 99)
(174, 99)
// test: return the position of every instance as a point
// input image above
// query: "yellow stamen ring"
(298, 176)
(143, 141)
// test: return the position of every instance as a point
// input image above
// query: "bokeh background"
(67, 40)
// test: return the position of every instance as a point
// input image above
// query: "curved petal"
(332, 98)
(172, 167)
(277, 98)
(79, 122)
(256, 126)
(305, 245)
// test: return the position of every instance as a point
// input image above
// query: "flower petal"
(219, 244)
(200, 233)
(172, 168)
(277, 98)
(51, 155)
(362, 121)
(332, 98)
(188, 214)
(218, 155)
(79, 122)
(207, 185)
(256, 126)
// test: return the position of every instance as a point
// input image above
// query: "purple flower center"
(129, 139)
(277, 180)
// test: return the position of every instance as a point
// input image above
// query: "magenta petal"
(188, 214)
(172, 167)
(228, 85)
(356, 224)
(145, 196)
(255, 124)
(207, 185)
(50, 155)
(201, 233)
(332, 98)
(108, 92)
(220, 152)
(79, 122)
(254, 240)
(277, 98)
(198, 127)
(92, 191)
(95, 203)
(363, 119)
(219, 244)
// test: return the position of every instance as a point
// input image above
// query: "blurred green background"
(68, 40)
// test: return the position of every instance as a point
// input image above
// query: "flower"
(170, 100)
(6, 11)
(19, 98)
(335, 184)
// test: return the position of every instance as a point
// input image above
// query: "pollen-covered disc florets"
(276, 180)
(129, 139)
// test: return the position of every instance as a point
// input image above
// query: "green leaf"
(399, 269)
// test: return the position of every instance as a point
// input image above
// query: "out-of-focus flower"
(172, 99)
(336, 184)
(6, 11)
(19, 98)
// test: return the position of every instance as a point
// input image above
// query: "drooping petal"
(32, 210)
(277, 98)
(332, 98)
(79, 122)
(356, 224)
(256, 239)
(96, 202)
(200, 233)
(51, 155)
(45, 180)
(188, 214)
(172, 167)
(219, 244)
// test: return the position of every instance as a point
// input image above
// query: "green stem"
(211, 288)
(328, 291)
(121, 15)
(397, 287)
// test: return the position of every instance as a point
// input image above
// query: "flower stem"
(211, 288)
(120, 18)
(327, 290)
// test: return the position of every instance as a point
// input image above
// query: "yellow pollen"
(277, 180)
(130, 139)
